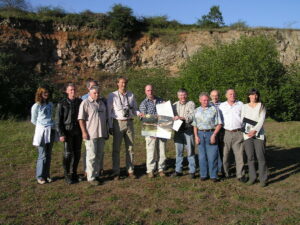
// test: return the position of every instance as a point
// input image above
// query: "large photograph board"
(160, 125)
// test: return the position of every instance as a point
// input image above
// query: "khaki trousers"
(94, 152)
(155, 147)
(234, 141)
(122, 130)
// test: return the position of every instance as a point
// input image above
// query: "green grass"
(144, 201)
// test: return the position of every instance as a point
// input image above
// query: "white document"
(177, 124)
(165, 109)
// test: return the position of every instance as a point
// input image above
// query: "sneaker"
(162, 174)
(41, 181)
(151, 175)
(49, 180)
(132, 175)
(176, 174)
(192, 175)
(94, 182)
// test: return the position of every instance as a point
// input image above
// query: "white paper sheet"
(165, 109)
(177, 124)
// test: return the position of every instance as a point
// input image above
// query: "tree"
(13, 4)
(250, 62)
(213, 19)
(122, 22)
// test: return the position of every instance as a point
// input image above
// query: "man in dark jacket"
(69, 132)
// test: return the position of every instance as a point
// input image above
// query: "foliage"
(239, 25)
(121, 23)
(251, 62)
(13, 4)
(17, 86)
(213, 19)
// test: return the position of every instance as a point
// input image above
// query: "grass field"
(159, 201)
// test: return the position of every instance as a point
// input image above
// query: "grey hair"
(95, 88)
(203, 94)
(215, 91)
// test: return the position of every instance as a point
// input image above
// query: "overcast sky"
(256, 13)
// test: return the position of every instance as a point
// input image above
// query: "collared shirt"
(42, 114)
(185, 110)
(117, 102)
(217, 104)
(83, 97)
(148, 106)
(95, 115)
(206, 118)
(231, 115)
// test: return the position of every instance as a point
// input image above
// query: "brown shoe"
(151, 175)
(132, 175)
(162, 174)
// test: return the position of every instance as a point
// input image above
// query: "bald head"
(214, 96)
(149, 91)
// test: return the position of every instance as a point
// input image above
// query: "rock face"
(75, 52)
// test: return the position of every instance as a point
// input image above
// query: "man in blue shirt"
(148, 106)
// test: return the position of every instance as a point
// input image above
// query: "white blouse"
(257, 114)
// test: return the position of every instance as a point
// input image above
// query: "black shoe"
(192, 175)
(203, 178)
(68, 179)
(243, 179)
(176, 174)
(215, 180)
(75, 178)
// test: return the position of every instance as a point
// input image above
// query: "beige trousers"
(122, 130)
(234, 141)
(155, 147)
(94, 157)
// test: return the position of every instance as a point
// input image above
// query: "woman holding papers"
(253, 116)
(41, 117)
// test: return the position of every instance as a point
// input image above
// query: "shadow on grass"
(282, 163)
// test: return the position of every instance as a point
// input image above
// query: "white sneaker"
(41, 181)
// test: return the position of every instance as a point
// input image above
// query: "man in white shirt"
(122, 107)
(233, 139)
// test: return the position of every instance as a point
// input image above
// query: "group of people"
(217, 128)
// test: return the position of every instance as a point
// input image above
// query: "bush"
(251, 62)
(17, 86)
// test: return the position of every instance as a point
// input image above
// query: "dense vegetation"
(244, 64)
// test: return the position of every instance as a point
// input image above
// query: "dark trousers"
(256, 147)
(71, 156)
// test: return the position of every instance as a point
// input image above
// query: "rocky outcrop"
(76, 51)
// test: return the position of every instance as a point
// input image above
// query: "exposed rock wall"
(73, 51)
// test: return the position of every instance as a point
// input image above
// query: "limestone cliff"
(76, 51)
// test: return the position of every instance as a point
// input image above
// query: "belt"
(236, 130)
(209, 130)
(123, 120)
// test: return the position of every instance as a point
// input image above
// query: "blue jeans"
(208, 156)
(184, 140)
(44, 158)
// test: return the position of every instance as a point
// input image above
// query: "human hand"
(62, 138)
(252, 133)
(111, 131)
(85, 136)
(213, 139)
(197, 140)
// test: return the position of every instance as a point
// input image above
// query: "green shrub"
(251, 62)
(17, 86)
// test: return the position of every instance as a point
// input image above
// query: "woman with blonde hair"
(41, 117)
